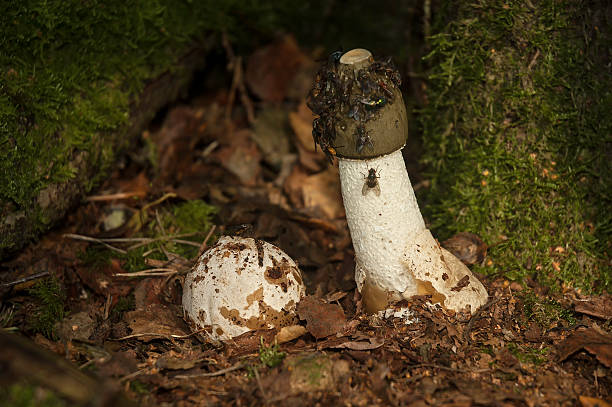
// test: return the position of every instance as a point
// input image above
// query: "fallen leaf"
(593, 402)
(293, 186)
(322, 319)
(373, 343)
(175, 361)
(78, 326)
(467, 247)
(600, 307)
(321, 192)
(155, 321)
(301, 123)
(271, 133)
(241, 157)
(597, 342)
(270, 70)
(289, 333)
(119, 364)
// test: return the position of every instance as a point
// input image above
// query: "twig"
(155, 272)
(25, 279)
(221, 372)
(158, 201)
(204, 243)
(113, 197)
(160, 335)
(450, 369)
(235, 64)
(533, 60)
(187, 242)
(134, 374)
(149, 240)
(263, 393)
(109, 299)
(94, 240)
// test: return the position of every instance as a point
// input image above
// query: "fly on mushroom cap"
(360, 107)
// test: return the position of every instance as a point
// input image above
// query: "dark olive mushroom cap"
(387, 131)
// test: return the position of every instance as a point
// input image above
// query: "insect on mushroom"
(363, 138)
(371, 182)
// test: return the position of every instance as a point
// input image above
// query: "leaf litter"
(121, 257)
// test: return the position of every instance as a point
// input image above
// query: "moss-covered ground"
(517, 137)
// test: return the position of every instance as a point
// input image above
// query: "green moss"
(95, 257)
(139, 387)
(314, 368)
(25, 395)
(526, 354)
(48, 297)
(192, 216)
(270, 356)
(546, 312)
(516, 133)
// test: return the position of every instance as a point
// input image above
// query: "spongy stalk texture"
(381, 225)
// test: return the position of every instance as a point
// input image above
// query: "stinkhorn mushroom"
(242, 284)
(362, 121)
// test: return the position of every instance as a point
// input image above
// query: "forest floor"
(103, 290)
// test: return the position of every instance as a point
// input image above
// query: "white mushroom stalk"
(396, 255)
(242, 284)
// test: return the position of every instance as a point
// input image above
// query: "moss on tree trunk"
(89, 163)
(517, 134)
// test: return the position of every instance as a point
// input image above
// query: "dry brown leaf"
(270, 70)
(600, 307)
(467, 247)
(289, 333)
(301, 123)
(593, 402)
(595, 341)
(373, 343)
(293, 186)
(155, 321)
(322, 192)
(241, 158)
(322, 319)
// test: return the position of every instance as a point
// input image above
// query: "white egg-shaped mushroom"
(242, 284)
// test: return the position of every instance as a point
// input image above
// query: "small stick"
(450, 369)
(235, 63)
(160, 335)
(109, 299)
(533, 60)
(113, 197)
(94, 240)
(221, 372)
(25, 279)
(187, 242)
(204, 244)
(155, 272)
(263, 394)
